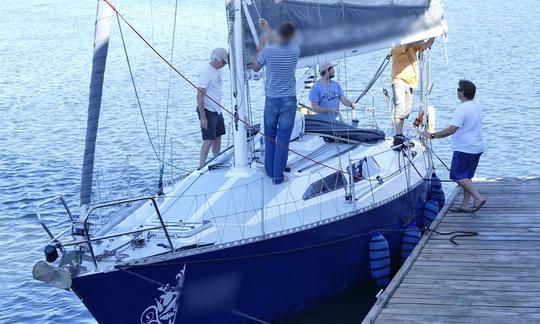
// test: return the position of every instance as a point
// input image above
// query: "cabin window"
(327, 184)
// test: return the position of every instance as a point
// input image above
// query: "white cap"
(325, 66)
(220, 53)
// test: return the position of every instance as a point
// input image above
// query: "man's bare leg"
(468, 186)
(466, 200)
(399, 125)
(205, 148)
(216, 146)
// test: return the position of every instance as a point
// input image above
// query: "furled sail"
(102, 34)
(330, 29)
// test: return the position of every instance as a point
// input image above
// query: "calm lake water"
(45, 63)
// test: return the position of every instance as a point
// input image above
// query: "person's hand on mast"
(265, 26)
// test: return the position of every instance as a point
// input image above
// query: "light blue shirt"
(327, 96)
(280, 61)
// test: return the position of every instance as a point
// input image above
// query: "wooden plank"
(479, 264)
(507, 221)
(485, 270)
(513, 229)
(428, 250)
(458, 310)
(464, 291)
(472, 290)
(473, 277)
(533, 237)
(469, 301)
(480, 285)
(432, 319)
(480, 246)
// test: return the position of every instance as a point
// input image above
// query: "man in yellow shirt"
(404, 80)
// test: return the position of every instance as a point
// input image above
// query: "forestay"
(331, 29)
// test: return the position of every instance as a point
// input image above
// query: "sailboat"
(227, 245)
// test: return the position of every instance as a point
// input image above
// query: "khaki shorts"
(402, 100)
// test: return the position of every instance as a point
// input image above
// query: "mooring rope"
(455, 234)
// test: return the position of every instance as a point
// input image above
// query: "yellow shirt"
(404, 65)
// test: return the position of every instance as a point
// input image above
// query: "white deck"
(224, 205)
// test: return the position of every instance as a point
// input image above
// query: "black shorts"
(216, 125)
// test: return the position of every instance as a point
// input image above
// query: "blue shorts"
(463, 165)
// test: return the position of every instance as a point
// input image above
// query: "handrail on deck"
(40, 219)
(119, 202)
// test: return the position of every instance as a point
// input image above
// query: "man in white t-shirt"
(209, 95)
(467, 144)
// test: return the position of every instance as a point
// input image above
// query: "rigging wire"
(253, 2)
(446, 166)
(155, 71)
(138, 98)
(376, 76)
(333, 120)
(169, 81)
(195, 86)
(135, 87)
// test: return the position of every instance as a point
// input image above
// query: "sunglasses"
(459, 90)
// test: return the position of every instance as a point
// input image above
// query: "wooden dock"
(490, 278)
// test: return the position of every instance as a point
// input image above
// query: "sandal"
(480, 205)
(462, 210)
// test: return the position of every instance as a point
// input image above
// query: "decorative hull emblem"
(165, 309)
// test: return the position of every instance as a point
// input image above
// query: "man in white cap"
(209, 95)
(326, 94)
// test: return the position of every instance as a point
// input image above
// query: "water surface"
(45, 64)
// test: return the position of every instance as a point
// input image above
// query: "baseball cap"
(325, 66)
(220, 53)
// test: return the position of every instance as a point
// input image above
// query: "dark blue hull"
(267, 280)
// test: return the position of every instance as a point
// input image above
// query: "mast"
(102, 34)
(238, 77)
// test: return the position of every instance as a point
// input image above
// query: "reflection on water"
(44, 77)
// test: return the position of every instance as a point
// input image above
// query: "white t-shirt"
(210, 79)
(468, 138)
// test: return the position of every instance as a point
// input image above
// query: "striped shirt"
(280, 61)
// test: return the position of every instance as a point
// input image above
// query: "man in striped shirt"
(280, 58)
